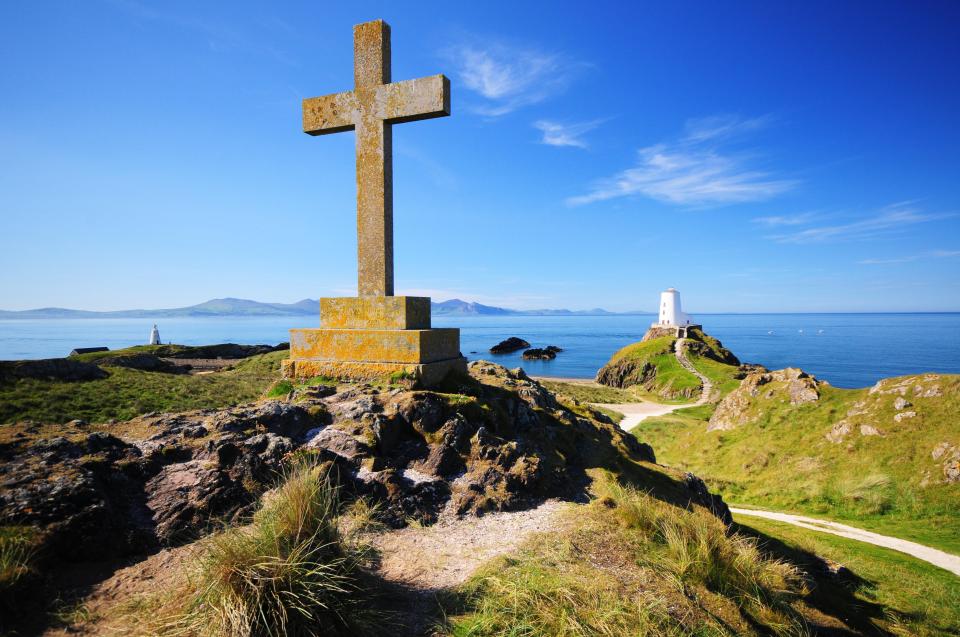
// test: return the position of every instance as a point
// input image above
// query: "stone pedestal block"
(376, 312)
(370, 338)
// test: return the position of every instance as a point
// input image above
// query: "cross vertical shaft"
(371, 109)
(371, 69)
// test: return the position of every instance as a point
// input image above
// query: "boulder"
(512, 344)
(539, 354)
(791, 384)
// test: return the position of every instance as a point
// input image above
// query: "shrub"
(288, 573)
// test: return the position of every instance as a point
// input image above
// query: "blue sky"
(757, 156)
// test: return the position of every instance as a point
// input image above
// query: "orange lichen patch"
(378, 312)
(385, 346)
(371, 109)
(426, 374)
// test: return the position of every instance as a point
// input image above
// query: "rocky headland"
(491, 441)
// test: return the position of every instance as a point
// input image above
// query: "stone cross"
(371, 109)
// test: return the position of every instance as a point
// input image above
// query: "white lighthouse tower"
(154, 335)
(671, 315)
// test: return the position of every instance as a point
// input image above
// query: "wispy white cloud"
(508, 77)
(695, 170)
(786, 220)
(933, 254)
(558, 134)
(889, 220)
(219, 35)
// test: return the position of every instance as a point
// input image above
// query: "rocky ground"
(107, 494)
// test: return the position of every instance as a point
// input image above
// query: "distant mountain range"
(244, 307)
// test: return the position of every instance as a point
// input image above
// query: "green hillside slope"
(887, 457)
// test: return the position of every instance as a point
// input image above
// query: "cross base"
(369, 338)
(424, 375)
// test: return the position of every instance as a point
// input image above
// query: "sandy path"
(934, 556)
(707, 389)
(447, 553)
(635, 413)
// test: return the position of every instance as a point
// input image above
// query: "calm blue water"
(849, 350)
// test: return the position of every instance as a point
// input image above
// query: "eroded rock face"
(494, 441)
(949, 456)
(95, 495)
(790, 384)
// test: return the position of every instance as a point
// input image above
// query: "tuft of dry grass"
(290, 572)
(697, 549)
(634, 565)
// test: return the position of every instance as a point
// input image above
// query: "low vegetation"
(591, 392)
(634, 565)
(290, 572)
(16, 558)
(126, 393)
(894, 593)
(650, 367)
(790, 457)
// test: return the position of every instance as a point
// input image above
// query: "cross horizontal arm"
(330, 114)
(410, 100)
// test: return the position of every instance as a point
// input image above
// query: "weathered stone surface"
(371, 109)
(903, 415)
(421, 375)
(354, 332)
(375, 312)
(375, 346)
(736, 408)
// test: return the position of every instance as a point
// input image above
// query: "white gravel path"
(936, 557)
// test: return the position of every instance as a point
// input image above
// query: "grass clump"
(696, 548)
(18, 576)
(16, 559)
(630, 564)
(280, 389)
(528, 597)
(290, 572)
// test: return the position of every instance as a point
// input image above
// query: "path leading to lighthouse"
(706, 391)
(635, 413)
(934, 556)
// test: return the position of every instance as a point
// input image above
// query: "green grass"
(129, 392)
(781, 460)
(918, 598)
(290, 572)
(591, 393)
(632, 565)
(723, 377)
(18, 573)
(16, 557)
(671, 381)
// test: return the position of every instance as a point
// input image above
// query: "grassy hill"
(125, 393)
(883, 458)
(638, 558)
(651, 366)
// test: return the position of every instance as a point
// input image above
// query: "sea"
(848, 350)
